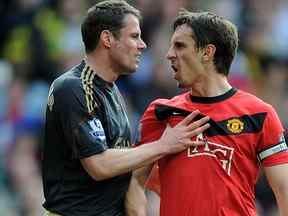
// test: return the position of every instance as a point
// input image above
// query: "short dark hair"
(105, 15)
(208, 28)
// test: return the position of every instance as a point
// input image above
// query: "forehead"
(183, 33)
(130, 24)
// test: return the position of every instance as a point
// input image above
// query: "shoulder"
(253, 102)
(174, 101)
(68, 83)
(67, 89)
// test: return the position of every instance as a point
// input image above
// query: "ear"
(106, 38)
(209, 52)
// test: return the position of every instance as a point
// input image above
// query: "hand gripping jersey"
(217, 178)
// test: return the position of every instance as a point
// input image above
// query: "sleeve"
(150, 128)
(83, 132)
(273, 148)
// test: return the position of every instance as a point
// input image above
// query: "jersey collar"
(219, 98)
(97, 80)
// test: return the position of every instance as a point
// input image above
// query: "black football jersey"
(85, 116)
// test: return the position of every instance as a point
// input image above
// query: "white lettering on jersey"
(223, 153)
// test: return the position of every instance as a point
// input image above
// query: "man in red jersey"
(217, 178)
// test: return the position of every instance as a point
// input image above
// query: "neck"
(211, 86)
(99, 62)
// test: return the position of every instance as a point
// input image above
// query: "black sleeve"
(83, 133)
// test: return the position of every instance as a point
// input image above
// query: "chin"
(133, 69)
(183, 85)
(129, 71)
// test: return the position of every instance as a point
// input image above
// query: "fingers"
(198, 123)
(198, 130)
(189, 118)
(194, 143)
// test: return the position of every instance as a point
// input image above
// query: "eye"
(136, 36)
(179, 45)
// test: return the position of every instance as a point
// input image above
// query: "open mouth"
(174, 68)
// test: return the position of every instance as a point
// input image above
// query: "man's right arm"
(113, 162)
(97, 159)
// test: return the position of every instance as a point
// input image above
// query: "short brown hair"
(208, 28)
(106, 15)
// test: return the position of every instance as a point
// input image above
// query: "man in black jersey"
(87, 161)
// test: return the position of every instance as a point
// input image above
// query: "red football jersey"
(219, 177)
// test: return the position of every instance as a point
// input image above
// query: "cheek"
(189, 62)
(129, 46)
(127, 51)
(123, 52)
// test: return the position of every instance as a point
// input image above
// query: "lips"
(137, 59)
(138, 56)
(174, 68)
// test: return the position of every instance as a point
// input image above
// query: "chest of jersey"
(226, 166)
(228, 139)
(114, 118)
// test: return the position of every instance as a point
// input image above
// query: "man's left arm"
(273, 154)
(136, 200)
(278, 179)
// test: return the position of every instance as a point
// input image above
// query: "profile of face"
(185, 58)
(126, 49)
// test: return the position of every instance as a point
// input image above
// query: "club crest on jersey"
(235, 125)
(97, 130)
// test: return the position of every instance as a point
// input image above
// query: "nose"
(170, 54)
(142, 45)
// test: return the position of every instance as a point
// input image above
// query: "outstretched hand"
(178, 138)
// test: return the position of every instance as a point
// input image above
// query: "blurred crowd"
(40, 39)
